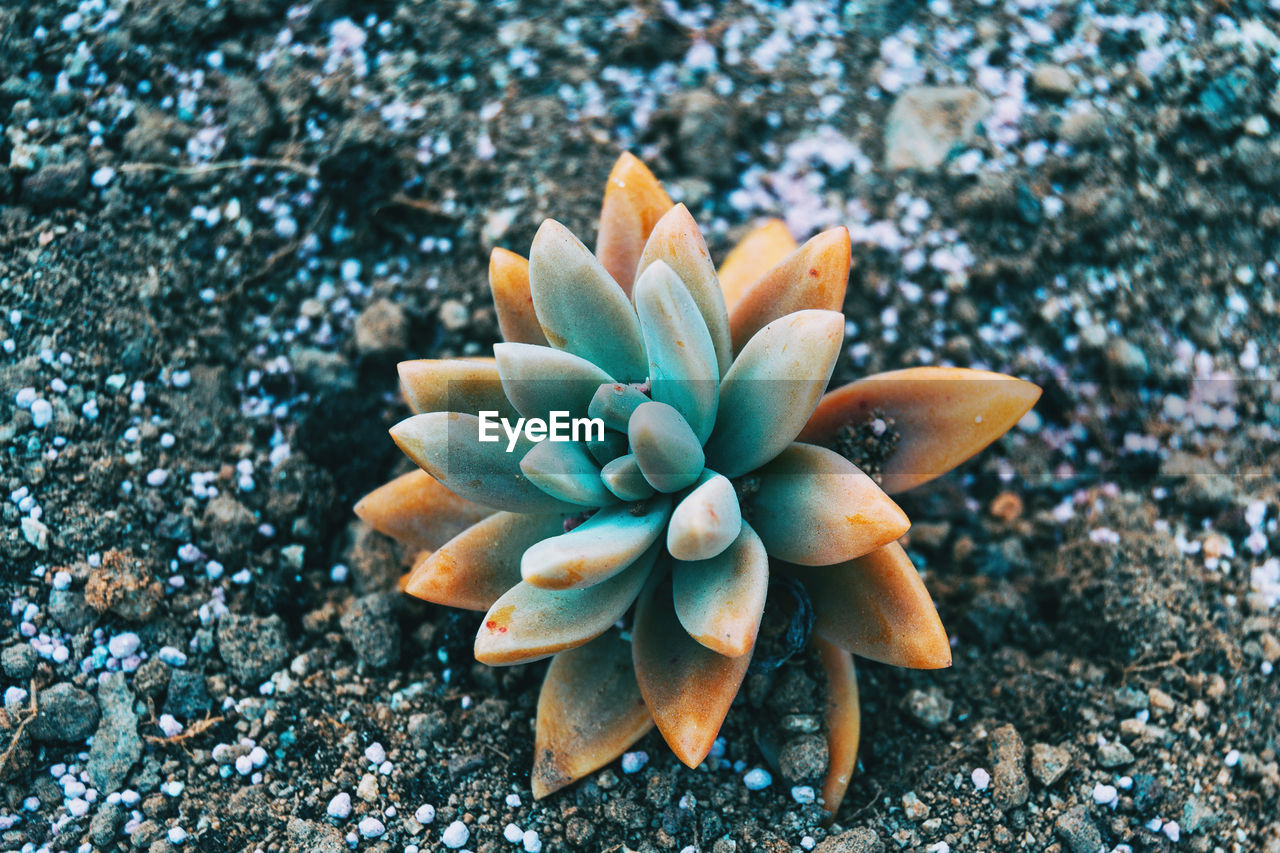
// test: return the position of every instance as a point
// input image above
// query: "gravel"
(1009, 785)
(1049, 763)
(371, 628)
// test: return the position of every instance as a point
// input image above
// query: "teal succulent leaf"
(539, 380)
(719, 601)
(581, 308)
(565, 470)
(677, 241)
(605, 450)
(706, 520)
(529, 623)
(665, 447)
(816, 508)
(682, 359)
(775, 383)
(447, 446)
(624, 478)
(597, 549)
(614, 402)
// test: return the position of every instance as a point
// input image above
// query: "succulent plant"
(722, 460)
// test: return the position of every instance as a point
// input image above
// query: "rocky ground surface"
(222, 222)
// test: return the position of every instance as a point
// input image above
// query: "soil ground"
(221, 224)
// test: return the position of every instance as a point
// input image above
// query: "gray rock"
(116, 745)
(1259, 160)
(249, 117)
(105, 824)
(860, 840)
(1049, 763)
(1078, 831)
(253, 647)
(1196, 816)
(705, 135)
(229, 525)
(1127, 359)
(322, 370)
(1114, 755)
(315, 837)
(371, 627)
(930, 708)
(66, 713)
(69, 609)
(188, 697)
(803, 758)
(1054, 80)
(1009, 785)
(56, 186)
(18, 661)
(927, 122)
(382, 329)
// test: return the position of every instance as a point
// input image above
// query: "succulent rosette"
(719, 463)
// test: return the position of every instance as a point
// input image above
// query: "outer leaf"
(815, 508)
(540, 380)
(813, 276)
(564, 470)
(943, 416)
(666, 449)
(453, 385)
(877, 607)
(843, 722)
(768, 394)
(706, 521)
(634, 201)
(687, 687)
(624, 478)
(589, 712)
(760, 251)
(677, 241)
(447, 446)
(509, 281)
(719, 601)
(529, 623)
(599, 548)
(417, 509)
(580, 306)
(682, 357)
(478, 565)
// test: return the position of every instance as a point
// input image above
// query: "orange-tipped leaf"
(764, 247)
(813, 276)
(634, 201)
(509, 282)
(942, 416)
(417, 509)
(589, 711)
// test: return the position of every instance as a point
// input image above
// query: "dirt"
(222, 223)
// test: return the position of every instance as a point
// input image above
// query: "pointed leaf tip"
(815, 508)
(634, 201)
(589, 712)
(416, 509)
(769, 393)
(877, 607)
(677, 241)
(512, 301)
(581, 308)
(763, 248)
(814, 276)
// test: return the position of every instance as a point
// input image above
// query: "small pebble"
(371, 827)
(757, 779)
(425, 814)
(340, 807)
(981, 779)
(633, 762)
(455, 835)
